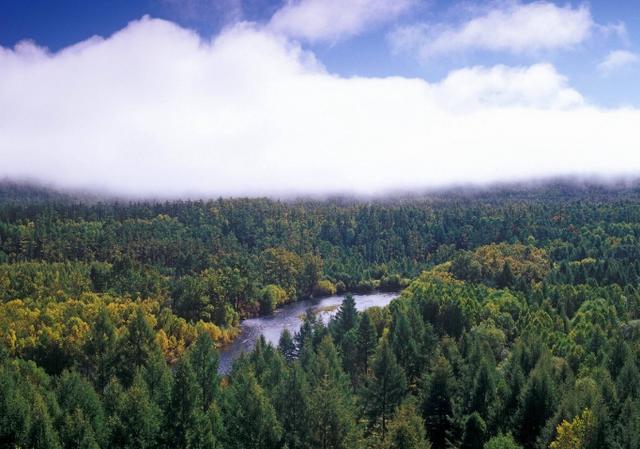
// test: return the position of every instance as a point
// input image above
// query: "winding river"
(290, 317)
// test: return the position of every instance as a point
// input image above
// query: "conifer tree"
(204, 358)
(437, 405)
(250, 419)
(386, 388)
(100, 349)
(292, 403)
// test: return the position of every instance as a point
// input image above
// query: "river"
(290, 317)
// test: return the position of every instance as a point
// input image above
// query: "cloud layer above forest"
(156, 110)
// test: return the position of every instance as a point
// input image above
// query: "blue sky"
(244, 97)
(368, 53)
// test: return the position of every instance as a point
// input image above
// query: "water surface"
(290, 317)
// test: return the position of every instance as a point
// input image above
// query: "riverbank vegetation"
(520, 328)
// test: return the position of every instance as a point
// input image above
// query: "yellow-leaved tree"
(574, 434)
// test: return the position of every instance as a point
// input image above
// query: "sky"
(266, 97)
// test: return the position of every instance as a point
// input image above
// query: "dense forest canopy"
(518, 325)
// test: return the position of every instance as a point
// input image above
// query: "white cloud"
(155, 110)
(617, 60)
(537, 86)
(331, 20)
(512, 26)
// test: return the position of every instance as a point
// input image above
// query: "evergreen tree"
(332, 409)
(475, 431)
(292, 403)
(627, 434)
(14, 411)
(186, 423)
(506, 278)
(251, 420)
(158, 379)
(41, 432)
(348, 352)
(203, 358)
(483, 394)
(137, 346)
(406, 429)
(346, 319)
(100, 349)
(367, 339)
(537, 402)
(502, 442)
(135, 418)
(287, 346)
(628, 381)
(77, 432)
(437, 405)
(405, 345)
(386, 388)
(79, 401)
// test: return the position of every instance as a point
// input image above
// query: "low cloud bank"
(156, 111)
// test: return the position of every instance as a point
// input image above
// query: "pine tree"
(136, 347)
(386, 388)
(158, 379)
(502, 442)
(506, 278)
(42, 433)
(628, 381)
(475, 431)
(292, 403)
(77, 432)
(366, 342)
(346, 319)
(406, 429)
(537, 402)
(483, 392)
(628, 429)
(405, 345)
(186, 423)
(136, 419)
(78, 400)
(204, 358)
(100, 349)
(287, 346)
(251, 420)
(332, 408)
(437, 405)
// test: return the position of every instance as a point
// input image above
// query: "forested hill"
(518, 325)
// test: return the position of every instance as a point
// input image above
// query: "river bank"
(290, 317)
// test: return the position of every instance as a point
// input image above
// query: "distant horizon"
(575, 184)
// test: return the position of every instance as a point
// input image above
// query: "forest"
(517, 325)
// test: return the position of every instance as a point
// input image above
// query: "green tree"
(367, 340)
(137, 346)
(79, 402)
(537, 402)
(292, 403)
(406, 429)
(502, 442)
(204, 358)
(135, 418)
(332, 409)
(250, 418)
(385, 389)
(100, 349)
(346, 319)
(287, 346)
(475, 431)
(437, 405)
(187, 425)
